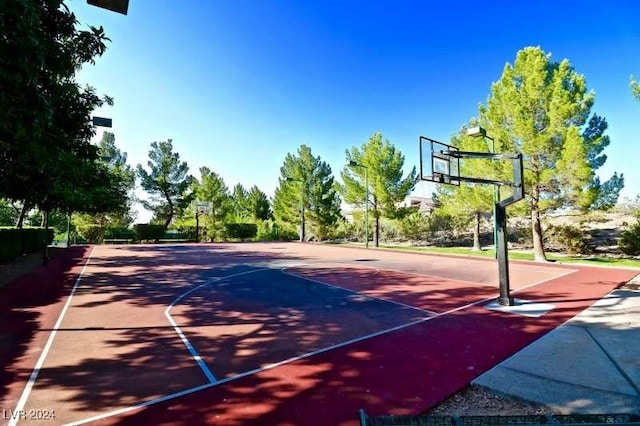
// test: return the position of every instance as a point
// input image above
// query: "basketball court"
(278, 333)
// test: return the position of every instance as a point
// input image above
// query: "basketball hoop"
(204, 207)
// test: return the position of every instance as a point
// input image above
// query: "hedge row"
(241, 231)
(145, 232)
(95, 234)
(148, 232)
(14, 242)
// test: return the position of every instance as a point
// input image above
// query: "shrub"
(148, 232)
(593, 217)
(93, 234)
(241, 231)
(520, 233)
(441, 228)
(119, 234)
(9, 244)
(188, 232)
(13, 241)
(629, 242)
(569, 238)
(285, 232)
(414, 227)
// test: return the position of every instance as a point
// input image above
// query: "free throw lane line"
(194, 353)
(404, 305)
(36, 370)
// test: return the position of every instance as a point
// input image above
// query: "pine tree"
(240, 199)
(211, 188)
(635, 88)
(381, 164)
(541, 109)
(167, 181)
(258, 204)
(306, 187)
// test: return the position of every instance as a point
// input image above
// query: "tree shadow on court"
(236, 326)
(430, 293)
(118, 368)
(156, 275)
(329, 388)
(403, 372)
(21, 309)
(266, 317)
(121, 352)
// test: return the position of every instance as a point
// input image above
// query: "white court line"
(36, 370)
(142, 405)
(359, 292)
(420, 274)
(277, 364)
(245, 374)
(569, 271)
(196, 356)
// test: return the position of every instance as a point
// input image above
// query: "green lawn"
(464, 251)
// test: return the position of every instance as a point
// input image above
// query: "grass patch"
(516, 255)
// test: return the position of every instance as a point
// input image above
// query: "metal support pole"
(505, 298)
(496, 200)
(197, 227)
(366, 207)
(45, 248)
(302, 230)
(68, 230)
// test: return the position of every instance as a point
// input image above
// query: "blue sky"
(238, 84)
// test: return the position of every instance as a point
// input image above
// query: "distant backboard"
(436, 164)
(204, 207)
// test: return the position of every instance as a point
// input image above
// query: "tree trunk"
(21, 216)
(45, 248)
(476, 232)
(536, 229)
(377, 232)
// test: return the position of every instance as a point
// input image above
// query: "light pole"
(479, 131)
(290, 179)
(366, 200)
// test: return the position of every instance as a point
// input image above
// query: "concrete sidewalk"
(590, 365)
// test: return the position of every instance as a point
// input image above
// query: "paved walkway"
(590, 365)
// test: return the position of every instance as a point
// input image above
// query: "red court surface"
(264, 334)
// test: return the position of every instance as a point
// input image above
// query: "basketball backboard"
(204, 207)
(436, 163)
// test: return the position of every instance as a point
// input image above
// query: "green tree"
(540, 108)
(8, 213)
(167, 181)
(635, 88)
(115, 210)
(240, 199)
(307, 186)
(258, 204)
(212, 188)
(383, 163)
(45, 126)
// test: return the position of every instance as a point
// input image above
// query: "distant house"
(424, 204)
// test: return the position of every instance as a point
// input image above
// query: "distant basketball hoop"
(204, 207)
